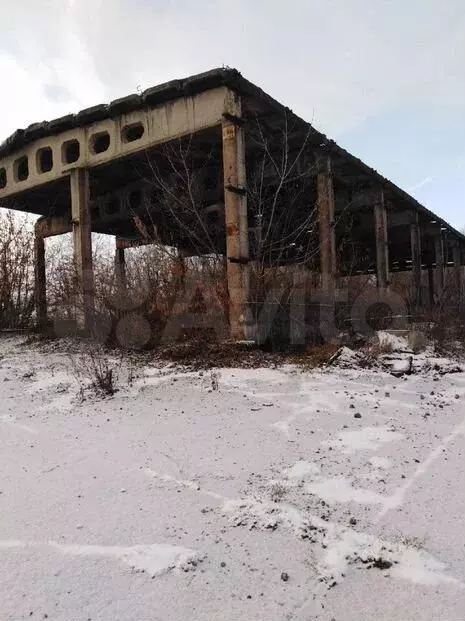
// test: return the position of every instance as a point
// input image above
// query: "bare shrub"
(215, 380)
(371, 354)
(63, 298)
(379, 346)
(16, 270)
(96, 369)
(445, 330)
(414, 542)
(277, 492)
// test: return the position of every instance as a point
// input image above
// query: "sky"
(384, 78)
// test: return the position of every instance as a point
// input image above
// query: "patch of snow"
(346, 358)
(398, 497)
(10, 420)
(421, 568)
(10, 544)
(366, 439)
(393, 341)
(382, 463)
(192, 485)
(154, 559)
(63, 403)
(346, 547)
(284, 425)
(245, 377)
(340, 490)
(301, 470)
(44, 380)
(402, 365)
(256, 513)
(339, 546)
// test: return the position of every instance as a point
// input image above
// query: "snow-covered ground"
(282, 494)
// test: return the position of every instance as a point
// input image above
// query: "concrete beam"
(82, 244)
(123, 243)
(237, 230)
(48, 227)
(325, 200)
(381, 233)
(103, 141)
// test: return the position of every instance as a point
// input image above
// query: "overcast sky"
(385, 78)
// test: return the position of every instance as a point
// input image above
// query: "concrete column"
(457, 259)
(382, 250)
(415, 244)
(297, 298)
(40, 292)
(325, 200)
(120, 272)
(237, 229)
(439, 260)
(82, 243)
(431, 286)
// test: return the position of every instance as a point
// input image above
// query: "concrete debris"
(397, 361)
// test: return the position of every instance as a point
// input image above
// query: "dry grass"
(316, 356)
(198, 354)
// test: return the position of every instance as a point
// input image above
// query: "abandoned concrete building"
(264, 187)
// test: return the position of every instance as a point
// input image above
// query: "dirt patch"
(316, 356)
(195, 355)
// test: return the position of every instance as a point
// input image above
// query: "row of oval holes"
(70, 152)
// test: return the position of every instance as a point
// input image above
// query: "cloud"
(345, 66)
(330, 60)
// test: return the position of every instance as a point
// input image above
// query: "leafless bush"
(277, 492)
(95, 368)
(63, 297)
(215, 380)
(369, 358)
(176, 298)
(163, 288)
(414, 542)
(444, 329)
(16, 270)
